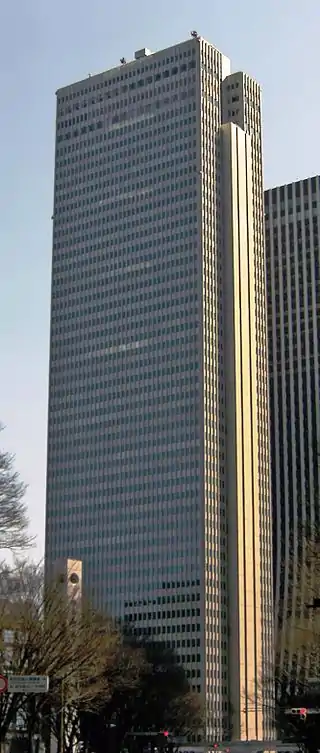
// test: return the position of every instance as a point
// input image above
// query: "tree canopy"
(162, 700)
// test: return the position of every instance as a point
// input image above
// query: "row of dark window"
(168, 614)
(299, 189)
(110, 81)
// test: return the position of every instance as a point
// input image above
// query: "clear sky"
(45, 45)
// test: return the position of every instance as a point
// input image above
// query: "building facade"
(158, 437)
(293, 257)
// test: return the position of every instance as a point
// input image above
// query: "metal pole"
(62, 718)
(31, 715)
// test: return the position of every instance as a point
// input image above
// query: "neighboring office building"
(293, 260)
(158, 439)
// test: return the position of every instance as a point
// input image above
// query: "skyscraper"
(293, 260)
(158, 439)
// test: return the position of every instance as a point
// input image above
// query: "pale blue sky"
(46, 45)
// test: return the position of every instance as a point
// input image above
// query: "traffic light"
(300, 712)
(162, 740)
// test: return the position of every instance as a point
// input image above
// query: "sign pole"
(62, 718)
(32, 713)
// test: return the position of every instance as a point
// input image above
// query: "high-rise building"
(158, 439)
(293, 259)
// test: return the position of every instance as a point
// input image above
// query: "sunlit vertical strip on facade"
(242, 106)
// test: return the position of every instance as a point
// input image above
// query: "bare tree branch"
(13, 510)
(42, 633)
(99, 677)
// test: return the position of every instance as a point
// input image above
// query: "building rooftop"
(140, 54)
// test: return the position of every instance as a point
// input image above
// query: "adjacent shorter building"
(292, 214)
(158, 436)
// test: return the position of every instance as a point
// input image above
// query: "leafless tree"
(45, 632)
(14, 521)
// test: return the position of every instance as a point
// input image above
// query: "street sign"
(3, 684)
(28, 684)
